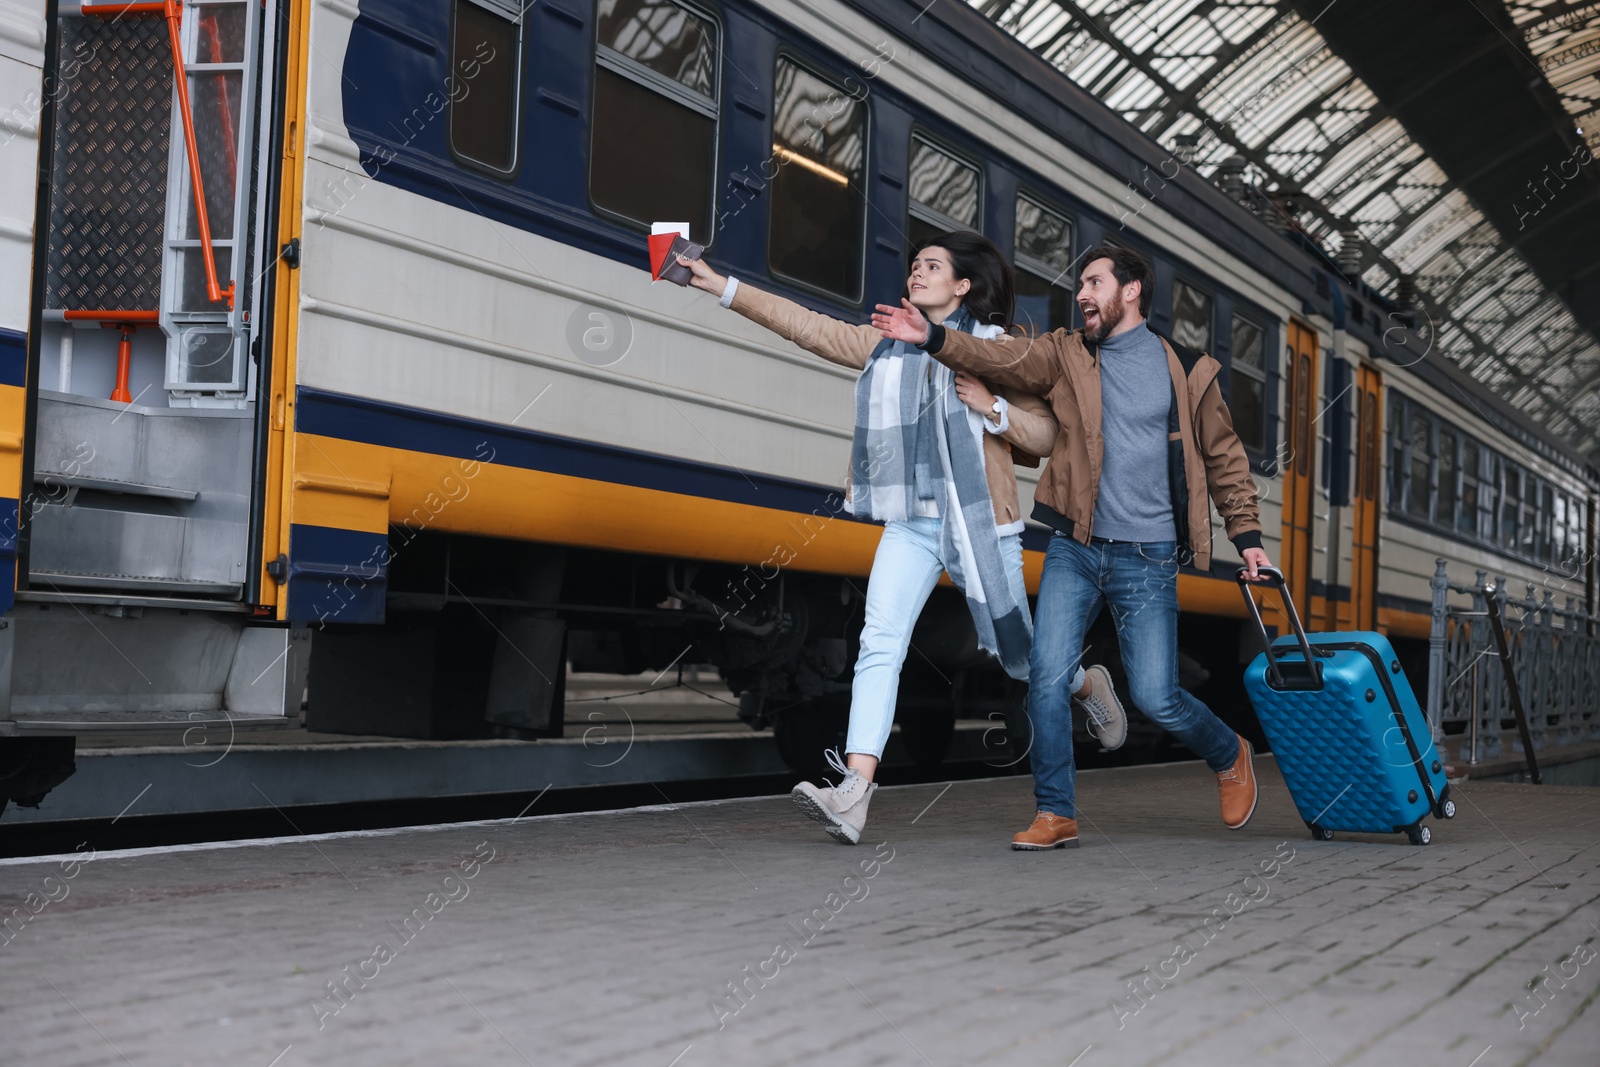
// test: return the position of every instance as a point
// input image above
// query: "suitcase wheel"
(1419, 834)
(1448, 809)
(1318, 833)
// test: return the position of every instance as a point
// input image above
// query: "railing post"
(1585, 721)
(1537, 645)
(1490, 695)
(1438, 629)
(1591, 643)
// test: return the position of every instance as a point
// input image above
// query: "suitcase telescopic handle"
(1275, 577)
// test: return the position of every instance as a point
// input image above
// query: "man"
(1144, 434)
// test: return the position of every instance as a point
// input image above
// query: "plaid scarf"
(916, 442)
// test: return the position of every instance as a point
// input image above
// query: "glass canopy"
(1251, 95)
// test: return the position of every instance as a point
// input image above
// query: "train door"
(142, 480)
(1299, 472)
(1369, 482)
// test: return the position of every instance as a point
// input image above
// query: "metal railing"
(1552, 651)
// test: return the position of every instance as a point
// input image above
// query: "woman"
(929, 443)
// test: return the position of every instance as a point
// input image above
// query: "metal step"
(52, 479)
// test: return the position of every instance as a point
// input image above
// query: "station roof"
(1440, 151)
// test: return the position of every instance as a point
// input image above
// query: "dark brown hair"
(1127, 266)
(992, 300)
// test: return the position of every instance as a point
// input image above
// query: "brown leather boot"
(1047, 831)
(1238, 787)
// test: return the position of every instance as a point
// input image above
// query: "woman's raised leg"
(904, 572)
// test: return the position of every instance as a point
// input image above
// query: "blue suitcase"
(1349, 737)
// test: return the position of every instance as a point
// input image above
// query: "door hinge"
(278, 569)
(290, 253)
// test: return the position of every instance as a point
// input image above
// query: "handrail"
(172, 11)
(1497, 627)
(111, 318)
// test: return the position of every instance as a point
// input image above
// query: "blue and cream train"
(425, 431)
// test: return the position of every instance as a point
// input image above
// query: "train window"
(818, 222)
(945, 193)
(1191, 317)
(1417, 491)
(1510, 505)
(1397, 451)
(1568, 534)
(1248, 384)
(1467, 517)
(1445, 507)
(486, 68)
(1044, 267)
(1546, 547)
(653, 131)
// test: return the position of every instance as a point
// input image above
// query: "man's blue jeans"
(1139, 582)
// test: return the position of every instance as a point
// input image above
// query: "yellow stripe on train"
(355, 486)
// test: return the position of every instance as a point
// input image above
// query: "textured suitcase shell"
(1346, 758)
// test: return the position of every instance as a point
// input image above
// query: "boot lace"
(850, 781)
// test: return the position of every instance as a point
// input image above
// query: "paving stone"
(612, 938)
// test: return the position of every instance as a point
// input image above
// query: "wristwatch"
(998, 408)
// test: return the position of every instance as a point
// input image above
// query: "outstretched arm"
(1025, 363)
(822, 335)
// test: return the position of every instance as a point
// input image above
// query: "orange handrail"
(111, 318)
(118, 10)
(172, 10)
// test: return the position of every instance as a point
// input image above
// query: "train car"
(344, 375)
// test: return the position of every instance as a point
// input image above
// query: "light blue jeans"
(904, 572)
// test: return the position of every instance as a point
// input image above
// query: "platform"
(612, 938)
(620, 729)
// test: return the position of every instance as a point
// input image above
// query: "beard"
(1110, 317)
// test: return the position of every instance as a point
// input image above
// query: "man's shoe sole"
(1254, 800)
(818, 812)
(1018, 846)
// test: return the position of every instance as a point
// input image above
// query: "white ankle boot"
(841, 809)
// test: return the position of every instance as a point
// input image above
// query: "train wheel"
(805, 731)
(927, 735)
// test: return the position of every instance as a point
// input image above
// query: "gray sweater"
(1136, 394)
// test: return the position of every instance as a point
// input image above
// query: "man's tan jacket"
(1066, 369)
(1033, 428)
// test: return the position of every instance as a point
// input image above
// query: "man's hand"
(903, 323)
(1254, 560)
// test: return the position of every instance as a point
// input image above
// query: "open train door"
(1369, 453)
(1299, 472)
(142, 483)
